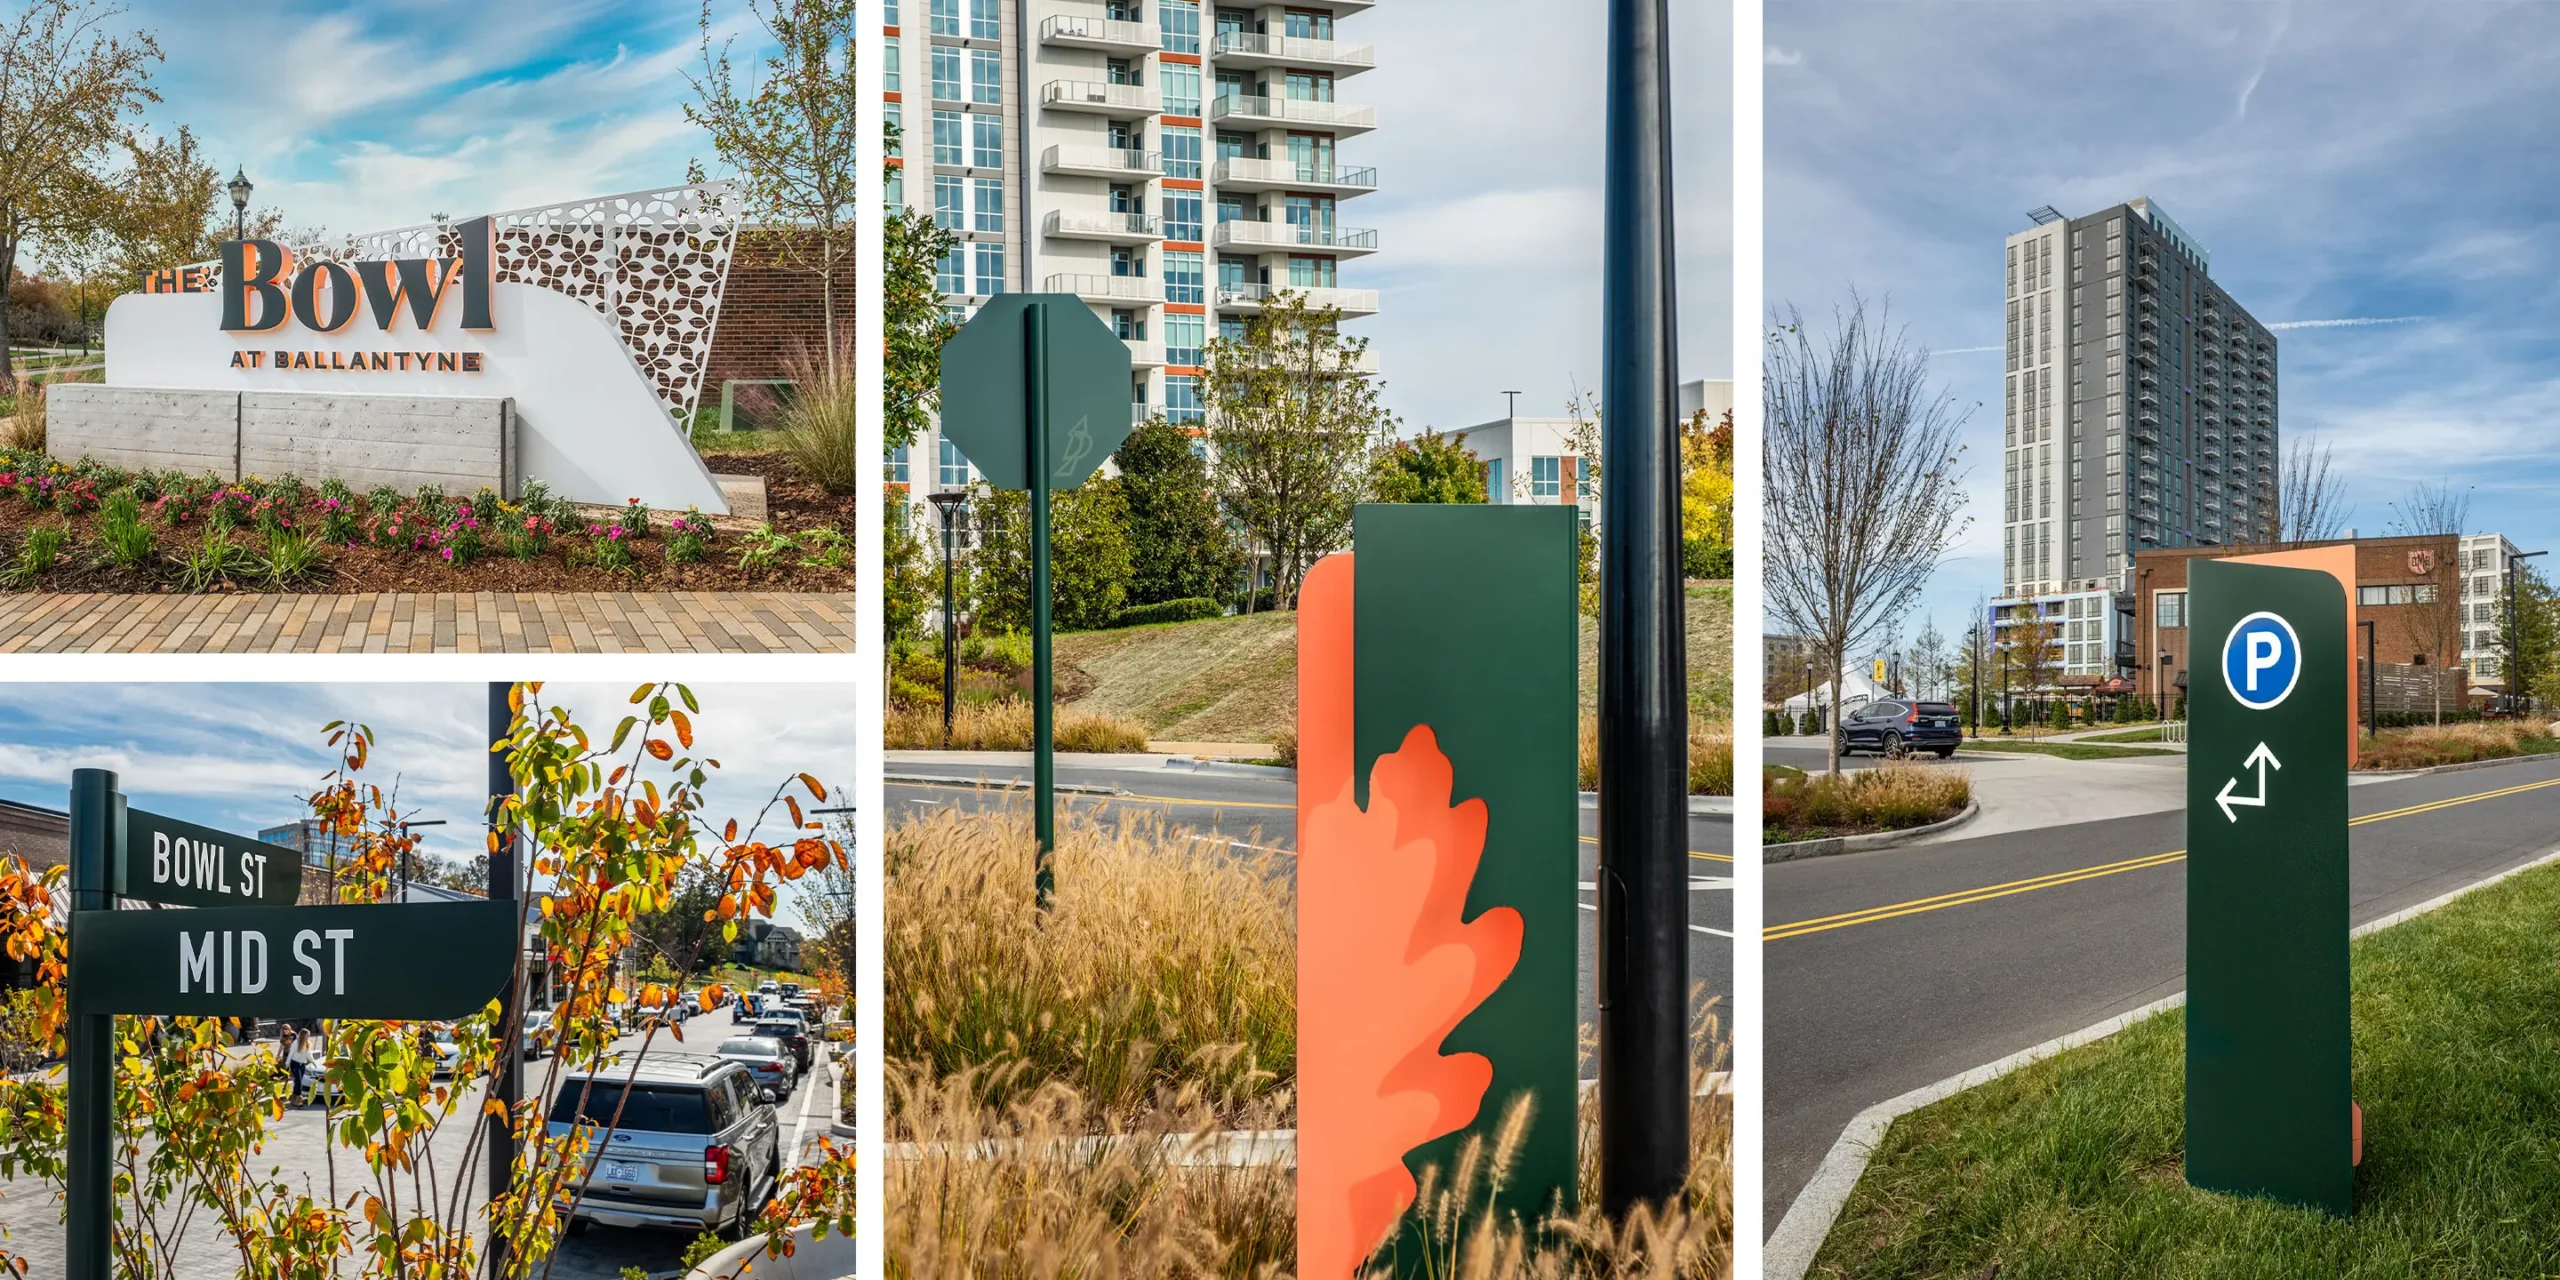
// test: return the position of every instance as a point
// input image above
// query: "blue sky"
(361, 117)
(2375, 180)
(239, 757)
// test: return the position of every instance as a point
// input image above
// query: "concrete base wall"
(457, 443)
(144, 428)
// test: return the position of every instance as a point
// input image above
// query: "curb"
(1798, 850)
(1699, 806)
(1231, 768)
(997, 784)
(1788, 1253)
(2459, 767)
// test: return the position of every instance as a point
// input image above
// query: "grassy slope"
(1236, 679)
(2073, 1167)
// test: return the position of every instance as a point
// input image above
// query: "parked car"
(691, 1004)
(744, 1011)
(537, 1033)
(792, 1033)
(790, 992)
(766, 1056)
(695, 1148)
(1899, 726)
(438, 1041)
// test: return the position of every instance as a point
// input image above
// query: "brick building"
(2409, 589)
(769, 308)
(39, 835)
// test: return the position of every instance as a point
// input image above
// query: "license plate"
(615, 1171)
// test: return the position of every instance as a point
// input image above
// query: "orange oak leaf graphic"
(1387, 963)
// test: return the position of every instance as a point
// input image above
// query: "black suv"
(1899, 726)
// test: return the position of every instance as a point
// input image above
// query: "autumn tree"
(2028, 656)
(1428, 468)
(786, 126)
(1179, 548)
(69, 88)
(1293, 421)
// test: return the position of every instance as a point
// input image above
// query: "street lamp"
(240, 189)
(2515, 633)
(1808, 691)
(405, 855)
(949, 503)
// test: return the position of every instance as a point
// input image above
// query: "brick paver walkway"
(484, 622)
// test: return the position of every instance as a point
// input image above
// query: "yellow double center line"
(1962, 897)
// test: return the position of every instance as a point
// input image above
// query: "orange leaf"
(684, 728)
(659, 749)
(816, 788)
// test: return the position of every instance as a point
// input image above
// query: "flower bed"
(90, 528)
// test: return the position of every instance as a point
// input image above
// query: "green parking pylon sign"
(2268, 1106)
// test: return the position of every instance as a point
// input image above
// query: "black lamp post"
(240, 189)
(1973, 692)
(949, 504)
(406, 856)
(1808, 693)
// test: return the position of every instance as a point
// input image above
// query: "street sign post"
(2269, 1112)
(180, 864)
(1024, 362)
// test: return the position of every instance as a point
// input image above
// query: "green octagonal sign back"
(986, 382)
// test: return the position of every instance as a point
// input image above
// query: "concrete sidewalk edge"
(1789, 1251)
(1798, 850)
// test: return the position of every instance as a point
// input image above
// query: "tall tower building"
(1172, 164)
(2139, 411)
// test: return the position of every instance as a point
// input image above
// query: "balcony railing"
(1108, 161)
(1296, 235)
(1108, 288)
(1096, 95)
(1354, 301)
(1097, 32)
(1106, 226)
(1333, 115)
(1294, 50)
(1249, 170)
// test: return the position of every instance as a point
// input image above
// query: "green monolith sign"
(2268, 1106)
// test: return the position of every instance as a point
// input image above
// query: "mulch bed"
(794, 499)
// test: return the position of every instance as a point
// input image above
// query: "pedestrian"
(297, 1060)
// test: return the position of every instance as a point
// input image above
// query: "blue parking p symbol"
(2260, 660)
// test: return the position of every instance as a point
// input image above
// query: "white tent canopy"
(1860, 691)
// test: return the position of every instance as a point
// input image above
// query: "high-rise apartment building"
(1174, 164)
(2487, 560)
(2139, 411)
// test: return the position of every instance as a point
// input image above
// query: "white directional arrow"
(2260, 759)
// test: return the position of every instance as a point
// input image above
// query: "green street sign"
(987, 383)
(435, 961)
(161, 859)
(2269, 1111)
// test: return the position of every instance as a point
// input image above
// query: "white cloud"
(1773, 56)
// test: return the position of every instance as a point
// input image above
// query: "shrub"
(290, 557)
(1192, 609)
(817, 427)
(825, 548)
(124, 541)
(36, 555)
(764, 548)
(1006, 726)
(2426, 747)
(1891, 796)
(26, 426)
(216, 560)
(1003, 652)
(1700, 558)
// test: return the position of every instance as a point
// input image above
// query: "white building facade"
(2487, 559)
(1539, 462)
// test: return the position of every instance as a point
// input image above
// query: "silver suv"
(694, 1149)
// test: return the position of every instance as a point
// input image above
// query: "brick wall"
(2400, 633)
(769, 308)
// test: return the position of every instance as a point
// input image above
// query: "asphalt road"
(1890, 970)
(32, 1215)
(1259, 811)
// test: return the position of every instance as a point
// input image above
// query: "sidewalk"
(483, 622)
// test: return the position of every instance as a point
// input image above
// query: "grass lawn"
(2073, 1167)
(2066, 750)
(2147, 734)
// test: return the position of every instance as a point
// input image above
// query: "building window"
(1181, 85)
(985, 22)
(988, 200)
(896, 144)
(986, 77)
(1183, 281)
(990, 268)
(898, 465)
(1182, 215)
(1179, 21)
(1310, 273)
(1182, 335)
(986, 142)
(2169, 609)
(1308, 26)
(889, 13)
(889, 69)
(1181, 399)
(946, 74)
(947, 138)
(1546, 477)
(1309, 87)
(946, 17)
(2395, 593)
(949, 211)
(895, 189)
(1181, 147)
(952, 470)
(2426, 593)
(952, 275)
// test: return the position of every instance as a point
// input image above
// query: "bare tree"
(1925, 665)
(1863, 485)
(2432, 620)
(2311, 503)
(67, 89)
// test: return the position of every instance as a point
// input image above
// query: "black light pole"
(1809, 713)
(506, 1088)
(1973, 651)
(2515, 632)
(2364, 688)
(1644, 786)
(405, 855)
(89, 1054)
(240, 189)
(948, 503)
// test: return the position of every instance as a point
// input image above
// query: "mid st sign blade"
(181, 864)
(429, 962)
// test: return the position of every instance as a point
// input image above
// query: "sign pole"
(90, 1054)
(507, 1088)
(1643, 696)
(1044, 761)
